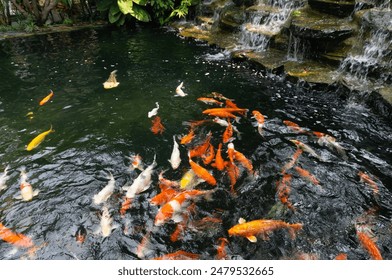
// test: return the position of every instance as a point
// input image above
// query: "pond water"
(97, 130)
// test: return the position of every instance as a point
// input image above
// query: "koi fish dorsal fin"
(252, 238)
(241, 221)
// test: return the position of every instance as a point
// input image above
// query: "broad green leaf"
(104, 5)
(121, 21)
(114, 14)
(125, 6)
(141, 2)
(140, 14)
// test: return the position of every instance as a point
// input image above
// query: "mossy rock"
(232, 18)
(339, 8)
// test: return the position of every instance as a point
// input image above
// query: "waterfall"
(266, 19)
(296, 48)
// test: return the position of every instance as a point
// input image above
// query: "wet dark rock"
(232, 18)
(340, 8)
(245, 3)
(208, 9)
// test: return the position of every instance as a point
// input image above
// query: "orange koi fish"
(80, 234)
(365, 178)
(307, 175)
(14, 238)
(227, 110)
(221, 253)
(166, 182)
(219, 162)
(180, 227)
(164, 196)
(125, 205)
(368, 244)
(233, 172)
(220, 96)
(341, 256)
(295, 127)
(209, 156)
(330, 142)
(47, 98)
(201, 172)
(293, 161)
(173, 209)
(157, 126)
(260, 121)
(179, 255)
(201, 149)
(224, 114)
(210, 101)
(306, 148)
(228, 133)
(188, 138)
(136, 162)
(262, 227)
(283, 189)
(240, 157)
(231, 104)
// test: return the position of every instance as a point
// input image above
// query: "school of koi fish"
(197, 203)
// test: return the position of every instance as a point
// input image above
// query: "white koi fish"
(330, 142)
(26, 190)
(306, 148)
(106, 192)
(225, 123)
(175, 159)
(154, 111)
(111, 82)
(141, 183)
(179, 90)
(106, 222)
(3, 179)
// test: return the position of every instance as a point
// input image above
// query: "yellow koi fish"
(38, 139)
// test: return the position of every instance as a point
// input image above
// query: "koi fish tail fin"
(125, 206)
(51, 129)
(293, 229)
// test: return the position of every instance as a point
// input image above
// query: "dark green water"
(96, 130)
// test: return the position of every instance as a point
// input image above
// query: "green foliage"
(68, 21)
(160, 11)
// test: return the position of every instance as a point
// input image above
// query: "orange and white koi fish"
(3, 179)
(219, 162)
(260, 121)
(202, 172)
(365, 178)
(306, 148)
(292, 162)
(179, 255)
(179, 91)
(209, 156)
(106, 192)
(154, 111)
(295, 127)
(233, 172)
(220, 96)
(14, 238)
(240, 157)
(330, 142)
(369, 245)
(47, 98)
(228, 133)
(188, 138)
(210, 101)
(157, 126)
(200, 150)
(167, 182)
(225, 123)
(111, 82)
(307, 175)
(26, 190)
(175, 158)
(283, 190)
(190, 180)
(173, 209)
(221, 253)
(136, 162)
(180, 227)
(262, 227)
(143, 248)
(166, 194)
(81, 234)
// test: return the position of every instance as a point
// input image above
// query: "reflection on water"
(97, 130)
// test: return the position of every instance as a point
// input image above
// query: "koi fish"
(221, 253)
(201, 149)
(175, 158)
(164, 196)
(173, 209)
(14, 238)
(306, 148)
(143, 248)
(307, 175)
(188, 138)
(111, 81)
(219, 162)
(166, 182)
(106, 222)
(125, 205)
(330, 142)
(26, 190)
(189, 180)
(368, 244)
(209, 155)
(233, 172)
(154, 111)
(180, 227)
(262, 227)
(226, 110)
(38, 139)
(179, 255)
(136, 162)
(295, 127)
(179, 91)
(47, 98)
(3, 179)
(341, 256)
(142, 182)
(283, 189)
(225, 123)
(194, 124)
(240, 157)
(220, 96)
(224, 114)
(228, 133)
(210, 101)
(202, 172)
(365, 178)
(293, 161)
(106, 192)
(230, 104)
(260, 121)
(80, 234)
(157, 126)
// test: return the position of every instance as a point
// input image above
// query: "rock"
(246, 3)
(232, 18)
(340, 8)
(270, 61)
